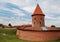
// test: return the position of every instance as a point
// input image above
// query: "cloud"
(10, 13)
(15, 9)
(21, 10)
(53, 22)
(14, 21)
(26, 0)
(11, 6)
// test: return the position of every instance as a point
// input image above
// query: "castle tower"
(38, 17)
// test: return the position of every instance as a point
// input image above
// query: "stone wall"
(38, 35)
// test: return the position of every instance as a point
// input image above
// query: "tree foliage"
(1, 25)
(9, 24)
(53, 26)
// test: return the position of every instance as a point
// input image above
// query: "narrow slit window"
(34, 18)
(40, 18)
(40, 23)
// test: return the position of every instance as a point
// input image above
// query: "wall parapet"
(40, 30)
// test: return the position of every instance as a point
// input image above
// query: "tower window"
(40, 23)
(34, 18)
(40, 18)
(34, 22)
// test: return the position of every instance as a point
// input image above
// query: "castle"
(37, 31)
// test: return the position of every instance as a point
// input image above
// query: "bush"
(53, 26)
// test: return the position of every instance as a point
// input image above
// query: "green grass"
(9, 35)
(55, 41)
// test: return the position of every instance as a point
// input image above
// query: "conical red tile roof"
(38, 10)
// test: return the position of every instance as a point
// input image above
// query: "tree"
(9, 24)
(53, 26)
(1, 25)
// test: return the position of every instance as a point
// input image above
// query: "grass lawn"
(9, 35)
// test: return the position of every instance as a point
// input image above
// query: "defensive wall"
(38, 35)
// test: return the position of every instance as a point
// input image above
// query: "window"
(40, 18)
(34, 22)
(40, 23)
(34, 18)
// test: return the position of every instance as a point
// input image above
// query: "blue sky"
(18, 12)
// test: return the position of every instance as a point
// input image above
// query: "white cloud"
(29, 9)
(49, 7)
(27, 0)
(17, 12)
(52, 22)
(13, 21)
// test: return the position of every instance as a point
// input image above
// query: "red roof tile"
(38, 10)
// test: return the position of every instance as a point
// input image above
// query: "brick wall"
(38, 20)
(38, 35)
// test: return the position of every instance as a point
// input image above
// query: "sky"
(18, 12)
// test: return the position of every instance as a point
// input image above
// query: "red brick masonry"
(38, 35)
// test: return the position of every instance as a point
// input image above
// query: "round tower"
(38, 17)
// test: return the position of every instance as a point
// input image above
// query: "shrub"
(53, 26)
